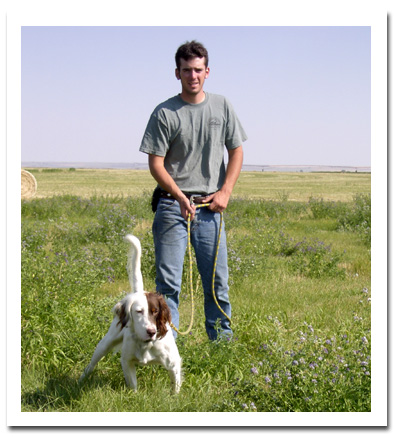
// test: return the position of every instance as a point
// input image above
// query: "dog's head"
(147, 313)
(159, 313)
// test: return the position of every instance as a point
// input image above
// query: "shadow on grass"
(61, 393)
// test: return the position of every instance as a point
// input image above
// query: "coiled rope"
(190, 272)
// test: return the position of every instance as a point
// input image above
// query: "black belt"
(194, 197)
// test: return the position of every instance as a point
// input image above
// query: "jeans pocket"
(166, 203)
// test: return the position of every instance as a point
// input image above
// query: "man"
(185, 139)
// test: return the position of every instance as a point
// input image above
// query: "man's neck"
(193, 98)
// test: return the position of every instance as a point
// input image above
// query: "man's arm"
(220, 199)
(163, 178)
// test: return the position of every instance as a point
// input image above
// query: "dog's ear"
(164, 316)
(122, 311)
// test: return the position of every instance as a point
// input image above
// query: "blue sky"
(302, 93)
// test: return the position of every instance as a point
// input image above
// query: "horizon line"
(130, 164)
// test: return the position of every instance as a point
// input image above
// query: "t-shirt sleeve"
(156, 137)
(235, 134)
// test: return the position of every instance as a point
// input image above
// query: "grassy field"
(299, 255)
(254, 185)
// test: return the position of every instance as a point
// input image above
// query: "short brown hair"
(190, 50)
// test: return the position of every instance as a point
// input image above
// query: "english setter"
(141, 328)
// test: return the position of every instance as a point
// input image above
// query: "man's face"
(192, 74)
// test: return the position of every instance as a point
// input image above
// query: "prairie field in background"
(293, 186)
(300, 276)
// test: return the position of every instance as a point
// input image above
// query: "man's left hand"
(218, 201)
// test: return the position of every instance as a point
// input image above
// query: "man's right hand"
(158, 171)
(186, 207)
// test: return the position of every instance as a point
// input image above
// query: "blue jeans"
(170, 240)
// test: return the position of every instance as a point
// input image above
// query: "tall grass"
(300, 292)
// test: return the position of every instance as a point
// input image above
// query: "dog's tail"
(134, 263)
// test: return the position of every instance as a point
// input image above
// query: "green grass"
(300, 293)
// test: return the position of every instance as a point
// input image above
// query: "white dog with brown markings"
(140, 328)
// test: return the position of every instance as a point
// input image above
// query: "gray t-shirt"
(192, 138)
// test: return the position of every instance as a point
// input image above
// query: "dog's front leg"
(175, 377)
(111, 340)
(129, 373)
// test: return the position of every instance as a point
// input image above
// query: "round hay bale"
(28, 185)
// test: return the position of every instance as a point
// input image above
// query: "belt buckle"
(197, 199)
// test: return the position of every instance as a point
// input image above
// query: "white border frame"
(286, 13)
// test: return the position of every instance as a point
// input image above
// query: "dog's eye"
(155, 311)
(140, 311)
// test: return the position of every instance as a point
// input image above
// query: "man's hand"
(158, 171)
(186, 207)
(218, 201)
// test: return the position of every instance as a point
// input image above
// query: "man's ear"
(177, 73)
